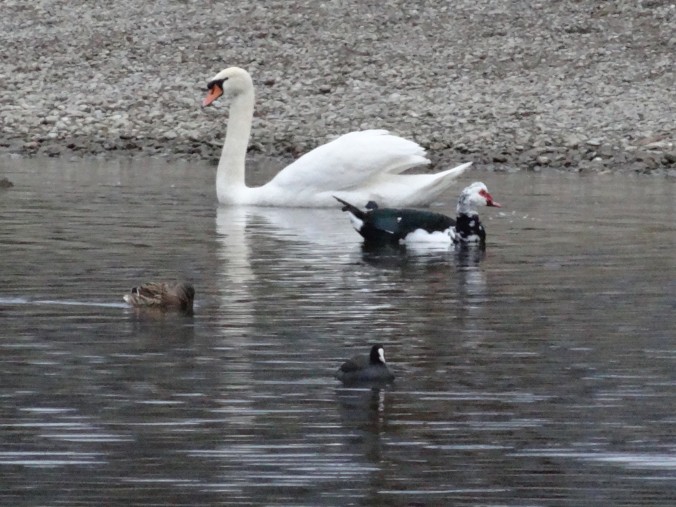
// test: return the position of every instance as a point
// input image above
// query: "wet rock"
(50, 150)
(670, 157)
(605, 151)
(649, 160)
(572, 140)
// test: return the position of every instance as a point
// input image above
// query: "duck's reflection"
(387, 255)
(155, 325)
(364, 413)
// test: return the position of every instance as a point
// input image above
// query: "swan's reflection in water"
(273, 264)
(236, 275)
(263, 249)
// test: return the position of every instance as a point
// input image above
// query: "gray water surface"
(539, 374)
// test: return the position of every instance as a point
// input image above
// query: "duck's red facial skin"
(489, 199)
(215, 91)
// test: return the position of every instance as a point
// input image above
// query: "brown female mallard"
(167, 296)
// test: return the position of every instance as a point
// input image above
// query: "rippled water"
(541, 374)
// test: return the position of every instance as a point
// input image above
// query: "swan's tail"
(402, 190)
(453, 173)
(436, 184)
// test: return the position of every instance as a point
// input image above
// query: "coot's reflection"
(364, 413)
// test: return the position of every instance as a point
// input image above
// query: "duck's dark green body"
(398, 223)
(392, 225)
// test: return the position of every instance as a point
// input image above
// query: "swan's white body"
(357, 167)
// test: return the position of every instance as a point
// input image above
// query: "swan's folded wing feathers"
(350, 161)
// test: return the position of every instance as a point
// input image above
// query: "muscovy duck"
(402, 226)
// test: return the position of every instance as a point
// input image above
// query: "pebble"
(467, 82)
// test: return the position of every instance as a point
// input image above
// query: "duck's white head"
(231, 81)
(473, 196)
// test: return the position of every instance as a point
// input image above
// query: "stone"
(572, 140)
(670, 157)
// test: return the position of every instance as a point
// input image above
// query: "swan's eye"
(215, 82)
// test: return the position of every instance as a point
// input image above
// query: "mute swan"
(406, 226)
(366, 369)
(359, 166)
(178, 296)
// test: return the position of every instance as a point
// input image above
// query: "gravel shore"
(576, 85)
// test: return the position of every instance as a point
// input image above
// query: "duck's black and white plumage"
(371, 368)
(403, 226)
(165, 296)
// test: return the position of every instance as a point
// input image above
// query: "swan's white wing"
(348, 162)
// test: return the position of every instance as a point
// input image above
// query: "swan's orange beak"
(214, 92)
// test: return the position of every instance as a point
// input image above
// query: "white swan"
(357, 167)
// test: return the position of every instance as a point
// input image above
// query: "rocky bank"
(580, 85)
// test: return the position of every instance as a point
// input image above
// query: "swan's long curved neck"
(230, 173)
